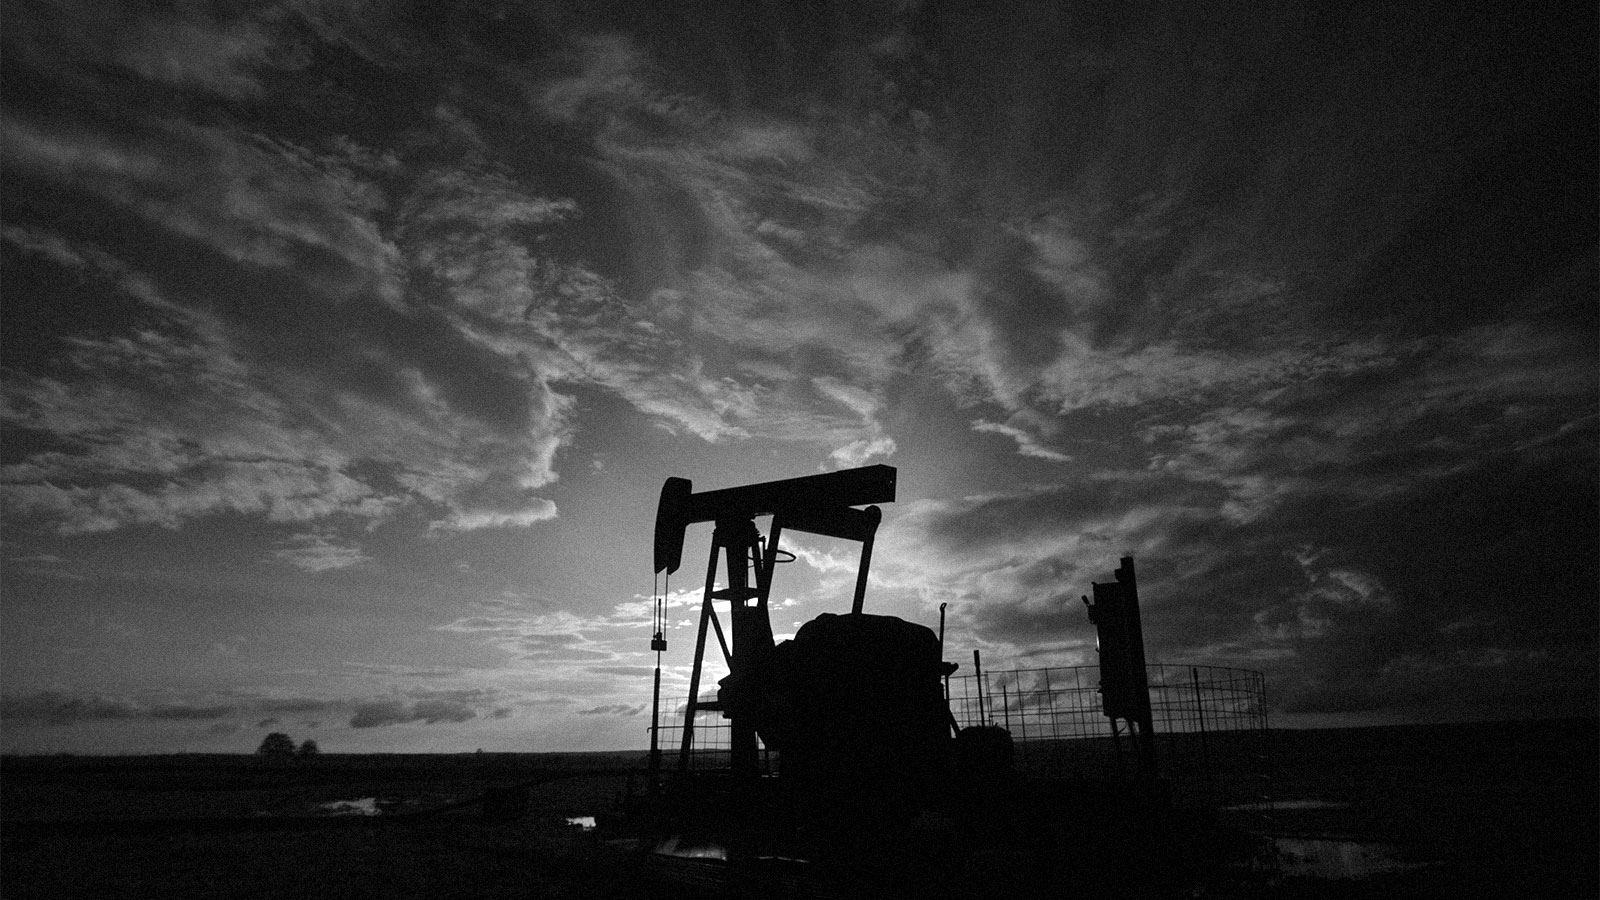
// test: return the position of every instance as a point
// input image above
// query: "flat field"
(1482, 810)
(1493, 809)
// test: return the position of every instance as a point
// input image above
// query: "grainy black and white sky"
(346, 347)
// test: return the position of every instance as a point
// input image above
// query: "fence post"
(977, 673)
(1205, 742)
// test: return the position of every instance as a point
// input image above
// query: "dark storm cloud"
(1226, 225)
(471, 696)
(67, 708)
(1331, 414)
(180, 711)
(1357, 537)
(293, 705)
(57, 708)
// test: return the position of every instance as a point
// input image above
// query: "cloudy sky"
(346, 347)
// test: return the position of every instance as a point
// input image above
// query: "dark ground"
(1482, 810)
(1502, 809)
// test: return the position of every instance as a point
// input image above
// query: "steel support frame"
(740, 544)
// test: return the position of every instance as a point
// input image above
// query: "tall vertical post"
(977, 676)
(1124, 682)
(658, 643)
(752, 637)
(706, 614)
(861, 576)
(655, 729)
(769, 560)
(946, 677)
(1141, 679)
(1200, 715)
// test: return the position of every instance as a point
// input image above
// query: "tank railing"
(1064, 702)
(713, 742)
(1210, 727)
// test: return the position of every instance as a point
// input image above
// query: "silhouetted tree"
(308, 749)
(276, 745)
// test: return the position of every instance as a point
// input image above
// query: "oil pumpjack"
(876, 787)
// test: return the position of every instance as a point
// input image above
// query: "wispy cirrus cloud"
(314, 552)
(1034, 317)
(736, 290)
(245, 392)
(1028, 444)
(160, 430)
(252, 200)
(597, 656)
(205, 51)
(199, 52)
(614, 709)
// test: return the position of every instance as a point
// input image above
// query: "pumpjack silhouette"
(846, 773)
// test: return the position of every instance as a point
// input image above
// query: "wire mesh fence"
(711, 744)
(1210, 727)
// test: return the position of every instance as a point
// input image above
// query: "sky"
(346, 347)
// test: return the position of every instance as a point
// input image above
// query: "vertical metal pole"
(941, 656)
(1200, 713)
(769, 561)
(655, 728)
(861, 575)
(977, 673)
(699, 656)
(741, 544)
(1146, 738)
(1050, 695)
(658, 643)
